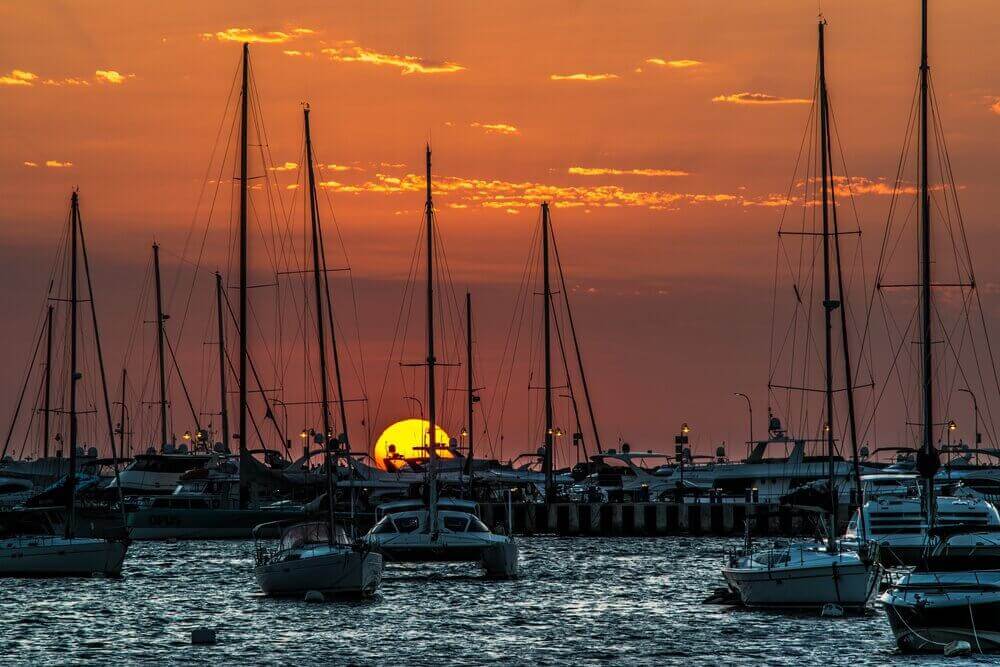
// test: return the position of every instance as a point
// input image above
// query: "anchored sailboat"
(814, 574)
(431, 528)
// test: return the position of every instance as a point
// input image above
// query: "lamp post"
(978, 439)
(749, 410)
(679, 444)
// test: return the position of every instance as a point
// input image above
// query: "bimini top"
(453, 504)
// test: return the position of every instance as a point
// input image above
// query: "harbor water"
(579, 601)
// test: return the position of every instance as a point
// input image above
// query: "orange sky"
(660, 131)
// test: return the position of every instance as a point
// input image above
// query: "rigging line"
(180, 377)
(893, 370)
(576, 346)
(20, 398)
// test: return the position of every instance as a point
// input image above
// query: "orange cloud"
(56, 164)
(30, 164)
(676, 64)
(294, 52)
(582, 77)
(759, 98)
(507, 195)
(249, 36)
(341, 167)
(18, 77)
(111, 76)
(602, 171)
(288, 166)
(66, 82)
(350, 52)
(496, 128)
(994, 106)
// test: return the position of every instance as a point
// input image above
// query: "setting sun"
(405, 439)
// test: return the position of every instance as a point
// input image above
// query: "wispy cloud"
(496, 128)
(855, 186)
(111, 76)
(18, 77)
(70, 81)
(252, 37)
(605, 171)
(582, 77)
(341, 167)
(288, 166)
(30, 164)
(352, 52)
(994, 104)
(58, 164)
(297, 53)
(475, 193)
(676, 64)
(758, 98)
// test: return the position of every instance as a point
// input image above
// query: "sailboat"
(315, 555)
(813, 574)
(432, 528)
(52, 554)
(953, 595)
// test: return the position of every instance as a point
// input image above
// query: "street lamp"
(679, 443)
(750, 410)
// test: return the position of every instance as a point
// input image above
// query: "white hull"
(842, 580)
(48, 556)
(342, 571)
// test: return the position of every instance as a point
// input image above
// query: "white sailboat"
(432, 528)
(312, 555)
(50, 554)
(820, 573)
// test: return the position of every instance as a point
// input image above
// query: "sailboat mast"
(431, 361)
(546, 318)
(320, 334)
(74, 374)
(470, 390)
(925, 273)
(223, 392)
(124, 413)
(829, 304)
(159, 346)
(244, 319)
(48, 385)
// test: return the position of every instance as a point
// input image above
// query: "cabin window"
(455, 524)
(407, 524)
(477, 526)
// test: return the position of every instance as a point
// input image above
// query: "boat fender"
(203, 636)
(956, 648)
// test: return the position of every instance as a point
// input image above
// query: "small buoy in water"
(957, 647)
(832, 611)
(314, 596)
(203, 636)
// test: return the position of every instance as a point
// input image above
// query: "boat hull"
(849, 585)
(929, 629)
(342, 573)
(59, 557)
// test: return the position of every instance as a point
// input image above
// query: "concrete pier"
(638, 519)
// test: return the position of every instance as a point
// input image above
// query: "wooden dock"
(651, 519)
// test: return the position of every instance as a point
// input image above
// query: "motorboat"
(952, 595)
(897, 524)
(157, 473)
(406, 532)
(307, 559)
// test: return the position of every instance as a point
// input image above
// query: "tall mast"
(122, 428)
(223, 393)
(74, 374)
(470, 389)
(829, 304)
(431, 361)
(926, 330)
(546, 317)
(320, 335)
(244, 319)
(160, 317)
(48, 384)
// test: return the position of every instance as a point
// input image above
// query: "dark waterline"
(579, 601)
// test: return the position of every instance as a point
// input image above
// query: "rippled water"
(579, 600)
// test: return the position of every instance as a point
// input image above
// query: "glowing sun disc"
(406, 439)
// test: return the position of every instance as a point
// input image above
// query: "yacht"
(952, 595)
(152, 474)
